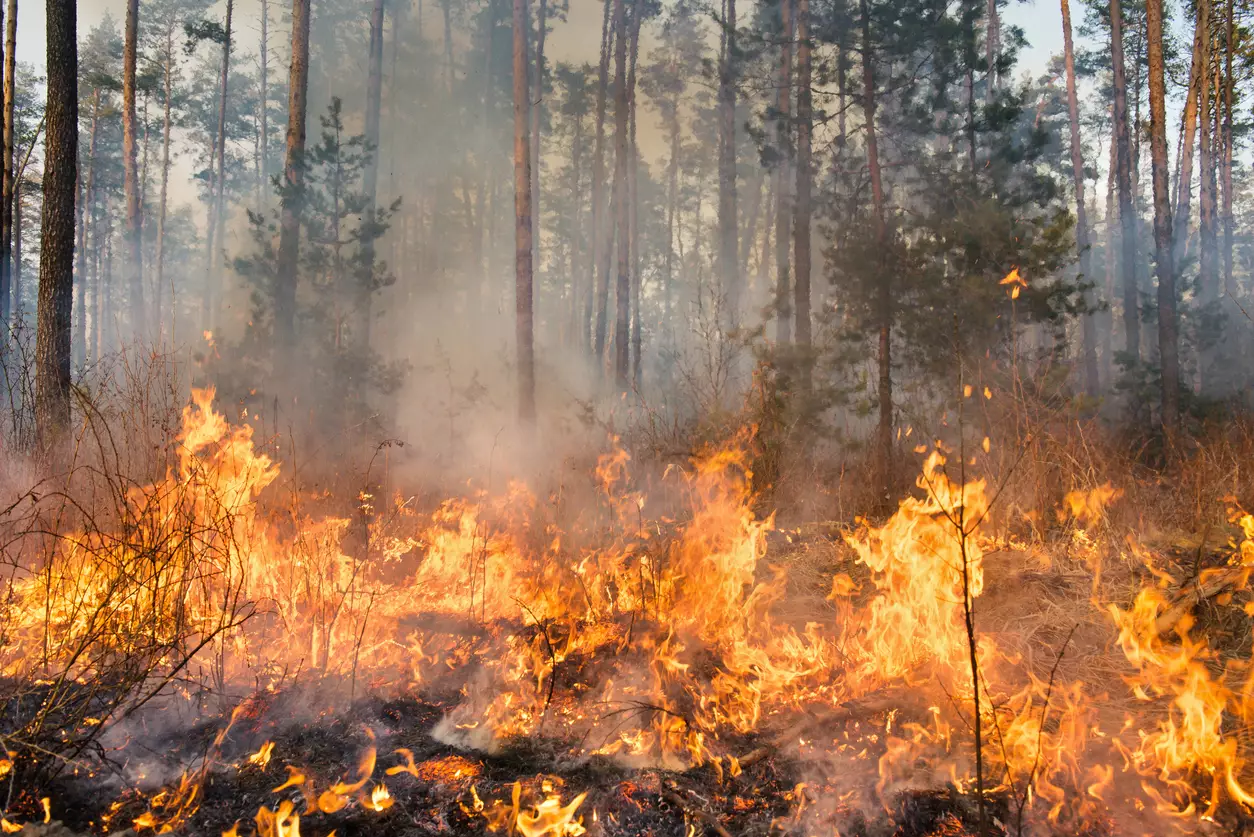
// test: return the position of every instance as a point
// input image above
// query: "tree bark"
(672, 213)
(134, 213)
(633, 220)
(8, 267)
(884, 434)
(163, 200)
(264, 82)
(801, 225)
(1082, 240)
(1230, 46)
(536, 108)
(622, 294)
(729, 267)
(598, 270)
(1188, 130)
(56, 257)
(1208, 272)
(370, 177)
(1168, 338)
(217, 224)
(85, 213)
(783, 197)
(522, 223)
(1123, 179)
(294, 179)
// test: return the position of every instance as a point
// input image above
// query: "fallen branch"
(693, 811)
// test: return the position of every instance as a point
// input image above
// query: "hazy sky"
(1041, 20)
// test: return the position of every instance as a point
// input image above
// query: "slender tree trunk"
(1230, 46)
(992, 47)
(672, 217)
(842, 84)
(88, 187)
(134, 214)
(522, 222)
(163, 200)
(294, 178)
(1208, 270)
(213, 278)
(537, 108)
(370, 178)
(602, 232)
(622, 293)
(8, 266)
(801, 227)
(575, 252)
(729, 268)
(1123, 179)
(1188, 130)
(97, 287)
(56, 257)
(783, 197)
(264, 91)
(633, 220)
(18, 187)
(1082, 240)
(1168, 339)
(1108, 319)
(884, 443)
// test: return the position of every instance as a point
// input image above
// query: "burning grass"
(651, 655)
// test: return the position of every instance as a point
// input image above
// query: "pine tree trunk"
(293, 174)
(672, 216)
(163, 200)
(370, 178)
(263, 81)
(633, 221)
(801, 226)
(8, 266)
(85, 213)
(522, 222)
(17, 247)
(1168, 338)
(134, 214)
(1230, 46)
(622, 289)
(536, 107)
(217, 223)
(783, 197)
(1188, 130)
(884, 434)
(575, 250)
(56, 257)
(992, 47)
(729, 268)
(1208, 270)
(1082, 240)
(1123, 180)
(602, 232)
(1107, 329)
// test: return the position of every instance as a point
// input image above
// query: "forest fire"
(669, 647)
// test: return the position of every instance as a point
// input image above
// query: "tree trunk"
(1208, 270)
(1230, 46)
(729, 267)
(1107, 328)
(56, 256)
(134, 214)
(783, 198)
(1082, 240)
(1188, 130)
(884, 435)
(8, 267)
(992, 46)
(536, 107)
(18, 186)
(213, 278)
(163, 200)
(801, 224)
(85, 210)
(294, 178)
(264, 82)
(522, 222)
(370, 178)
(602, 235)
(633, 221)
(622, 293)
(1168, 339)
(1123, 179)
(672, 213)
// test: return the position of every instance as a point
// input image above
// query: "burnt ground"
(440, 800)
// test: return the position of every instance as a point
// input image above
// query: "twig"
(693, 811)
